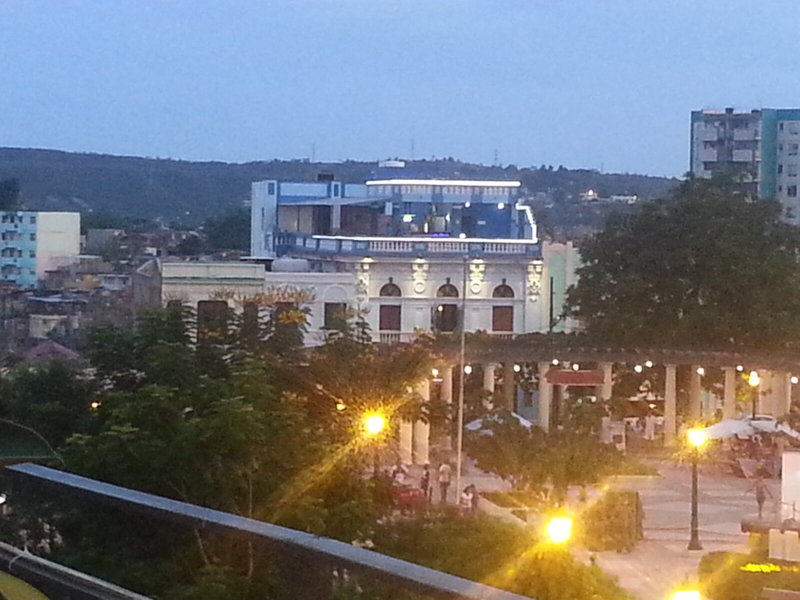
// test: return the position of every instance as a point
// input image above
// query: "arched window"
(390, 289)
(448, 290)
(503, 291)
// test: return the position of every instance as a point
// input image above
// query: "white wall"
(58, 240)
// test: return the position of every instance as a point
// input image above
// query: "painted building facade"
(32, 243)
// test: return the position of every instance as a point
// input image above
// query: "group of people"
(468, 501)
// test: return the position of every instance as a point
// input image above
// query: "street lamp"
(754, 380)
(559, 529)
(697, 438)
(685, 595)
(373, 424)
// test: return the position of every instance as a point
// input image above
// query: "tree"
(9, 195)
(229, 231)
(708, 266)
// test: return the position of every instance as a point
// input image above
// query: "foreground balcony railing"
(428, 246)
(309, 560)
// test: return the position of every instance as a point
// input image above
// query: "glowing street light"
(648, 364)
(754, 380)
(697, 438)
(468, 369)
(638, 368)
(685, 595)
(559, 529)
(374, 423)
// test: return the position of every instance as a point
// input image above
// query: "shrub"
(614, 522)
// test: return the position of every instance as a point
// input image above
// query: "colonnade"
(774, 396)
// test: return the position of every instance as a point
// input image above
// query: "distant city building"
(761, 148)
(32, 243)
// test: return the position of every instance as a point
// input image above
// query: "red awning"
(579, 378)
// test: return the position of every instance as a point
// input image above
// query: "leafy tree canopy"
(709, 266)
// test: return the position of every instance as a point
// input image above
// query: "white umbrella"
(728, 428)
(482, 425)
(774, 427)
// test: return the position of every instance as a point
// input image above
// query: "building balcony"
(320, 245)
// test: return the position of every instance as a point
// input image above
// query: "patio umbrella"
(728, 428)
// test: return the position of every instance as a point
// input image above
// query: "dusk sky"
(596, 83)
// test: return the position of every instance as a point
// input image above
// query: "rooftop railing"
(422, 246)
(310, 564)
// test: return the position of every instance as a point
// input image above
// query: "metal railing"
(311, 560)
(369, 246)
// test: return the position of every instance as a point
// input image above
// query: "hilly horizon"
(188, 192)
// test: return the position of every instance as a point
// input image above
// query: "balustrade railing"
(310, 567)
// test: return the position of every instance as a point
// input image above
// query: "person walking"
(762, 491)
(425, 483)
(445, 476)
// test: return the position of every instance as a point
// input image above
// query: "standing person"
(466, 500)
(761, 491)
(425, 483)
(445, 475)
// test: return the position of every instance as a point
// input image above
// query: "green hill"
(189, 192)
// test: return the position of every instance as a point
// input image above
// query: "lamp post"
(754, 380)
(373, 424)
(697, 439)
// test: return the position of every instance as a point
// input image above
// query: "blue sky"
(601, 83)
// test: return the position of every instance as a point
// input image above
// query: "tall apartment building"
(32, 243)
(760, 147)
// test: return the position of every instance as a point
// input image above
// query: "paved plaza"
(661, 562)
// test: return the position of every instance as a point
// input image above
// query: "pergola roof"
(544, 348)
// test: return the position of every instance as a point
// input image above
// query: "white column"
(509, 386)
(336, 218)
(765, 389)
(488, 381)
(607, 388)
(670, 404)
(421, 444)
(404, 448)
(695, 387)
(422, 429)
(447, 398)
(545, 396)
(729, 393)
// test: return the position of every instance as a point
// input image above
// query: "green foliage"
(722, 577)
(531, 458)
(707, 266)
(9, 194)
(497, 553)
(228, 231)
(613, 522)
(52, 398)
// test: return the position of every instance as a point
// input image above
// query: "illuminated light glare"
(701, 371)
(559, 529)
(638, 368)
(554, 362)
(794, 379)
(754, 379)
(3, 498)
(576, 367)
(648, 364)
(95, 405)
(340, 406)
(686, 595)
(517, 368)
(440, 308)
(468, 369)
(697, 437)
(435, 372)
(651, 405)
(501, 205)
(462, 235)
(467, 204)
(446, 182)
(374, 423)
(408, 218)
(739, 368)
